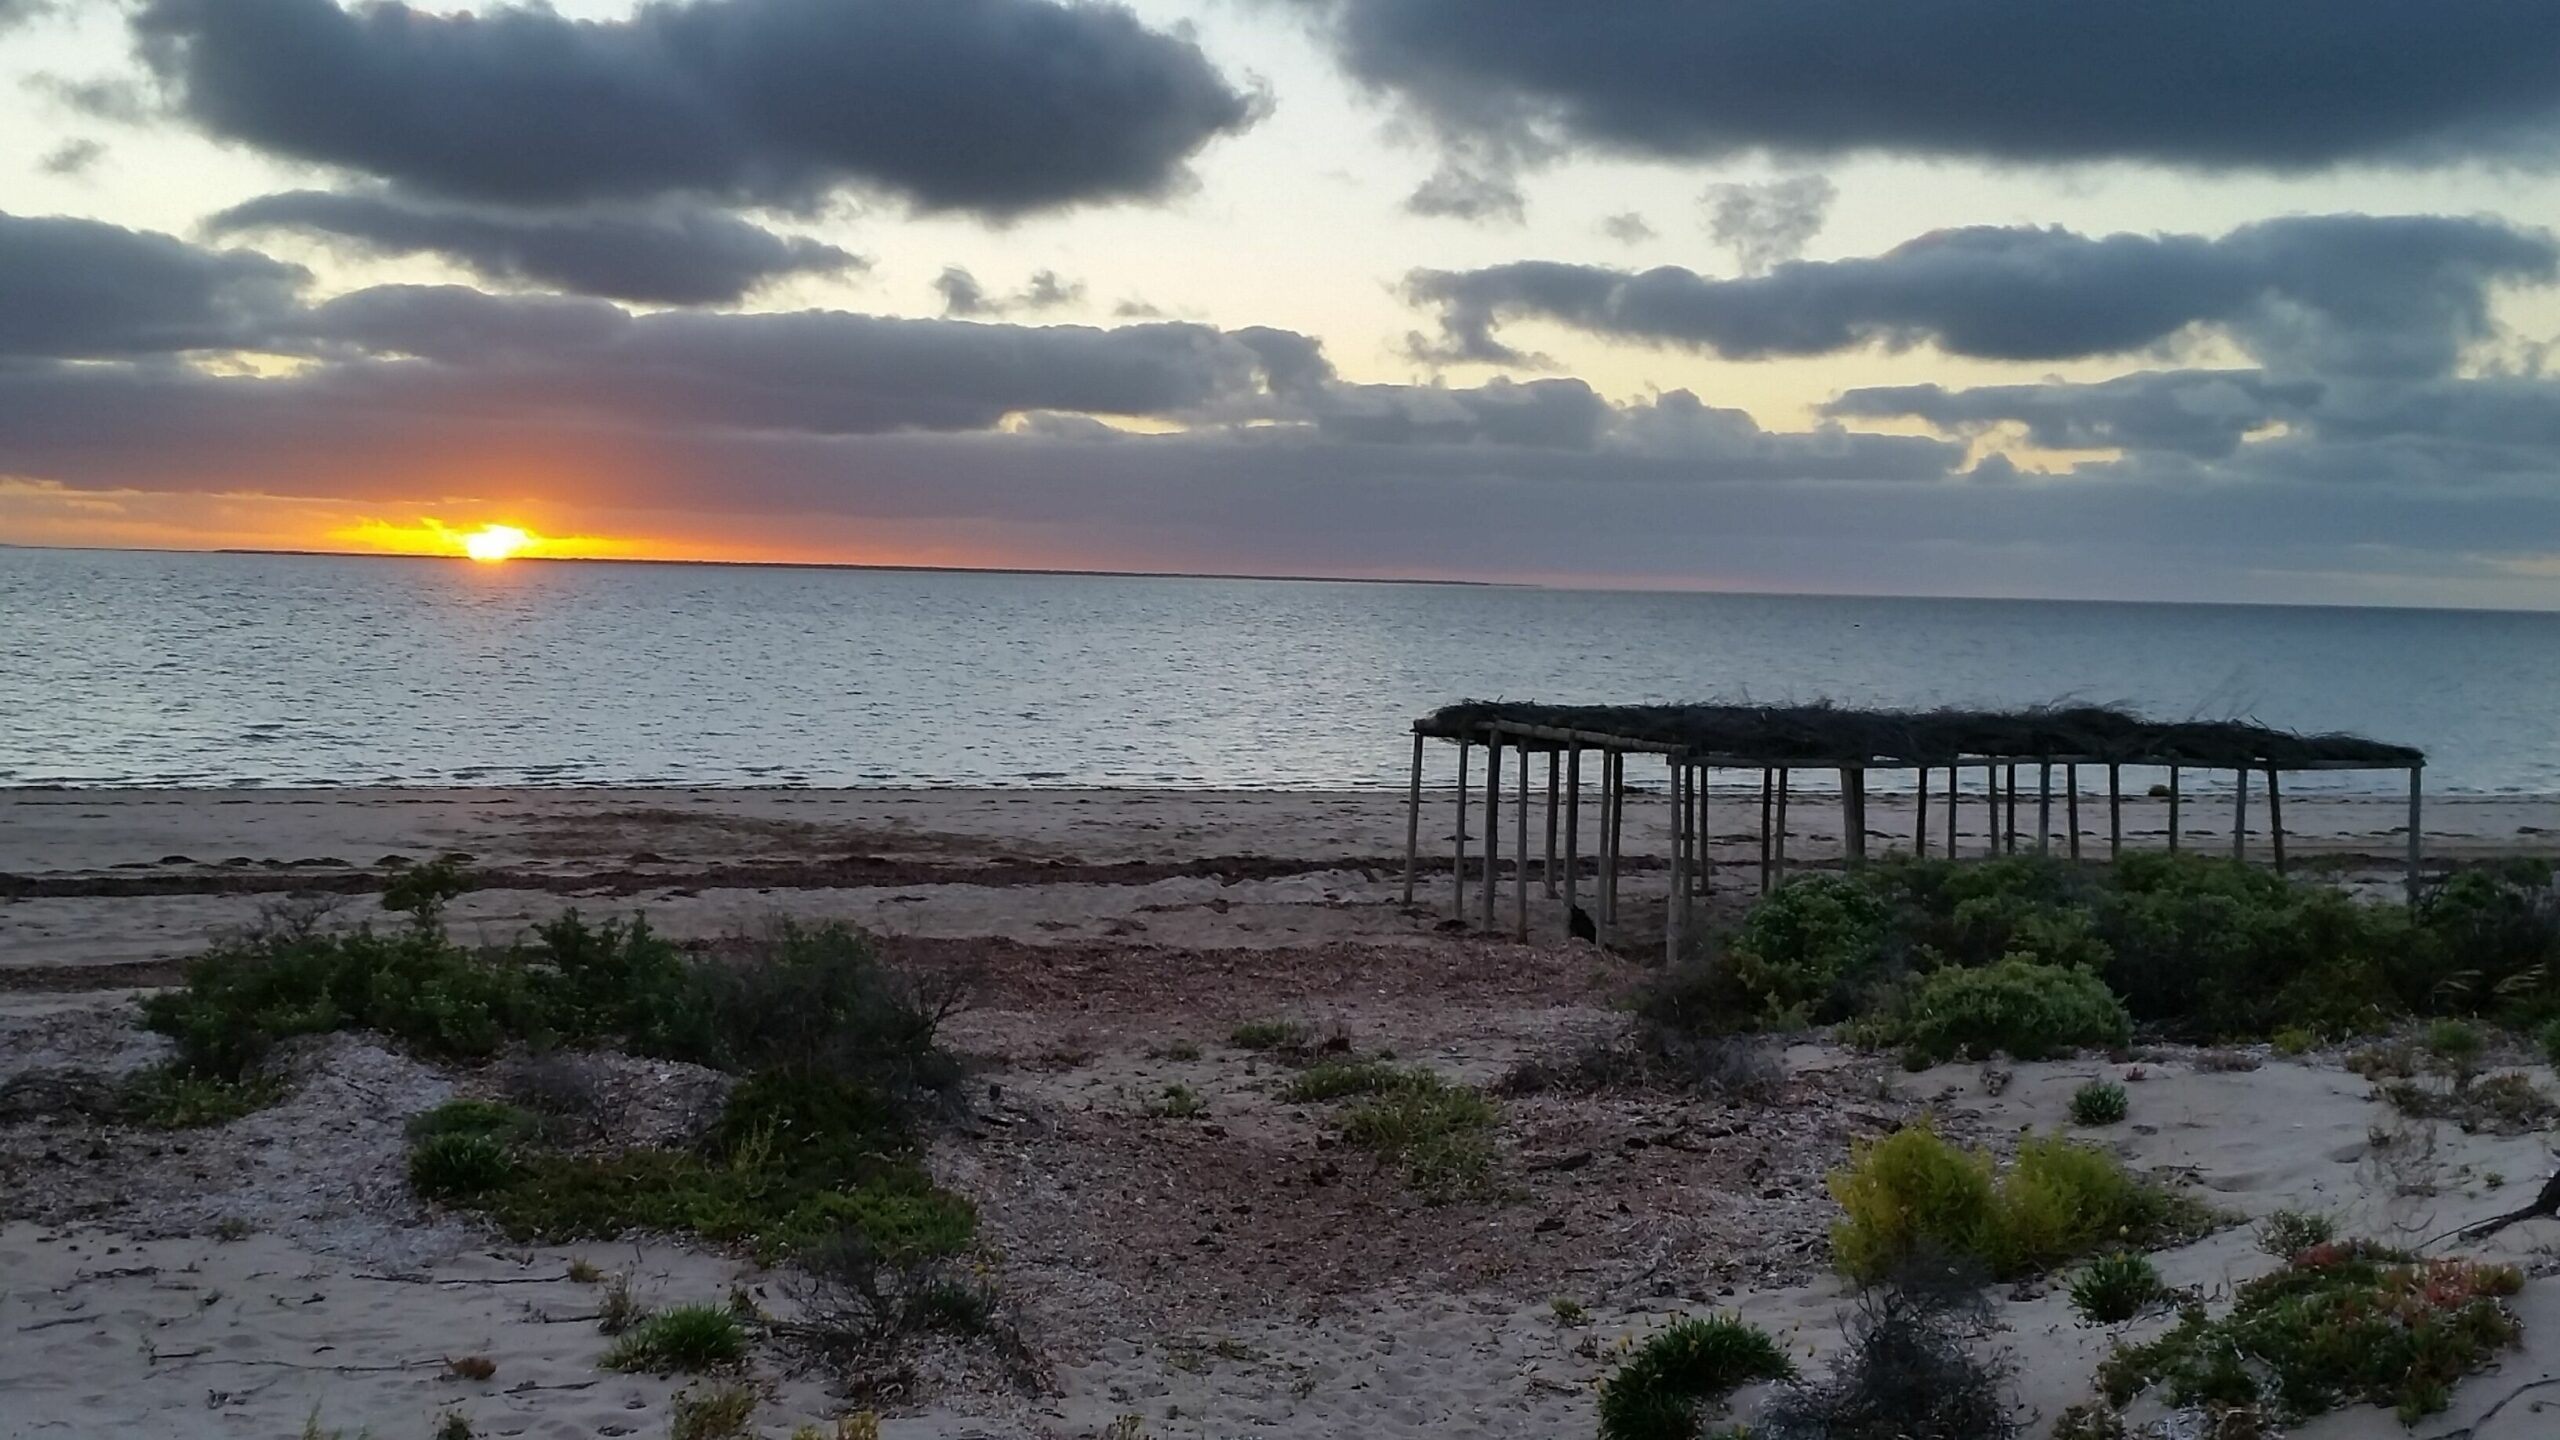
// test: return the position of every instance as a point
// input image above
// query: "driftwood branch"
(2545, 1206)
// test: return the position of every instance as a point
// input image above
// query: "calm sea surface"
(149, 669)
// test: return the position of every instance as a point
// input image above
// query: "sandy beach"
(1228, 1273)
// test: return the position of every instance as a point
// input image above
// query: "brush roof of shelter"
(1826, 734)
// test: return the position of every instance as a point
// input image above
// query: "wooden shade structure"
(1694, 741)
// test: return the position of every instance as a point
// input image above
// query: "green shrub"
(722, 1412)
(459, 1166)
(2295, 1040)
(2337, 1325)
(2550, 1038)
(1270, 1035)
(1439, 1134)
(1179, 1102)
(2115, 1288)
(493, 1119)
(1804, 955)
(2100, 1102)
(690, 1338)
(1340, 1079)
(167, 1097)
(2018, 1007)
(2454, 1049)
(1662, 1390)
(2287, 1233)
(1913, 1194)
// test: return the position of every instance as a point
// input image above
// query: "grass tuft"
(2100, 1102)
(690, 1338)
(1679, 1372)
(2115, 1288)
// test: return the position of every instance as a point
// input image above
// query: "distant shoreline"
(859, 565)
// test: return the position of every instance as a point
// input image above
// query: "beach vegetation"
(1913, 1369)
(170, 1097)
(2018, 1007)
(1341, 1079)
(2191, 946)
(1178, 1102)
(1271, 1035)
(2116, 1287)
(722, 1412)
(858, 1301)
(837, 1058)
(453, 1425)
(688, 1338)
(1439, 1135)
(1912, 1194)
(2340, 1323)
(2287, 1233)
(2100, 1102)
(1668, 1384)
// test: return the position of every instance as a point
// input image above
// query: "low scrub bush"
(1440, 1135)
(1806, 955)
(2287, 1233)
(2115, 1288)
(1913, 1194)
(838, 1057)
(2550, 1039)
(2100, 1102)
(459, 1166)
(691, 1338)
(1912, 1370)
(2507, 1103)
(2339, 1324)
(858, 1301)
(2018, 1007)
(1341, 1079)
(1271, 1035)
(168, 1097)
(1667, 1385)
(723, 1412)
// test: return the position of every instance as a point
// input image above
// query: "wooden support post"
(1706, 841)
(1990, 808)
(2044, 807)
(2009, 817)
(1853, 830)
(1675, 902)
(2115, 812)
(2414, 833)
(1492, 823)
(1547, 872)
(1697, 789)
(1458, 861)
(1607, 883)
(1781, 858)
(2071, 806)
(1572, 832)
(1955, 782)
(2240, 815)
(2174, 797)
(1413, 821)
(1768, 793)
(1616, 839)
(1520, 854)
(2275, 816)
(1920, 826)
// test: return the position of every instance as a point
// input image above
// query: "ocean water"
(168, 669)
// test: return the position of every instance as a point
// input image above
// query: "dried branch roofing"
(1836, 735)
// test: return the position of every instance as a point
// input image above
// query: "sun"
(492, 543)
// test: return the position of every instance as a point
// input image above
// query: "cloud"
(82, 289)
(1628, 228)
(2353, 294)
(997, 107)
(72, 157)
(669, 254)
(2203, 414)
(1767, 223)
(14, 13)
(964, 298)
(2273, 85)
(1458, 192)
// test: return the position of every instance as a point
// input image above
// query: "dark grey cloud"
(72, 157)
(14, 13)
(2200, 413)
(2280, 85)
(83, 289)
(1463, 192)
(998, 107)
(1628, 228)
(668, 254)
(1769, 222)
(2350, 294)
(964, 298)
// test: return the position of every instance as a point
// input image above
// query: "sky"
(2235, 300)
